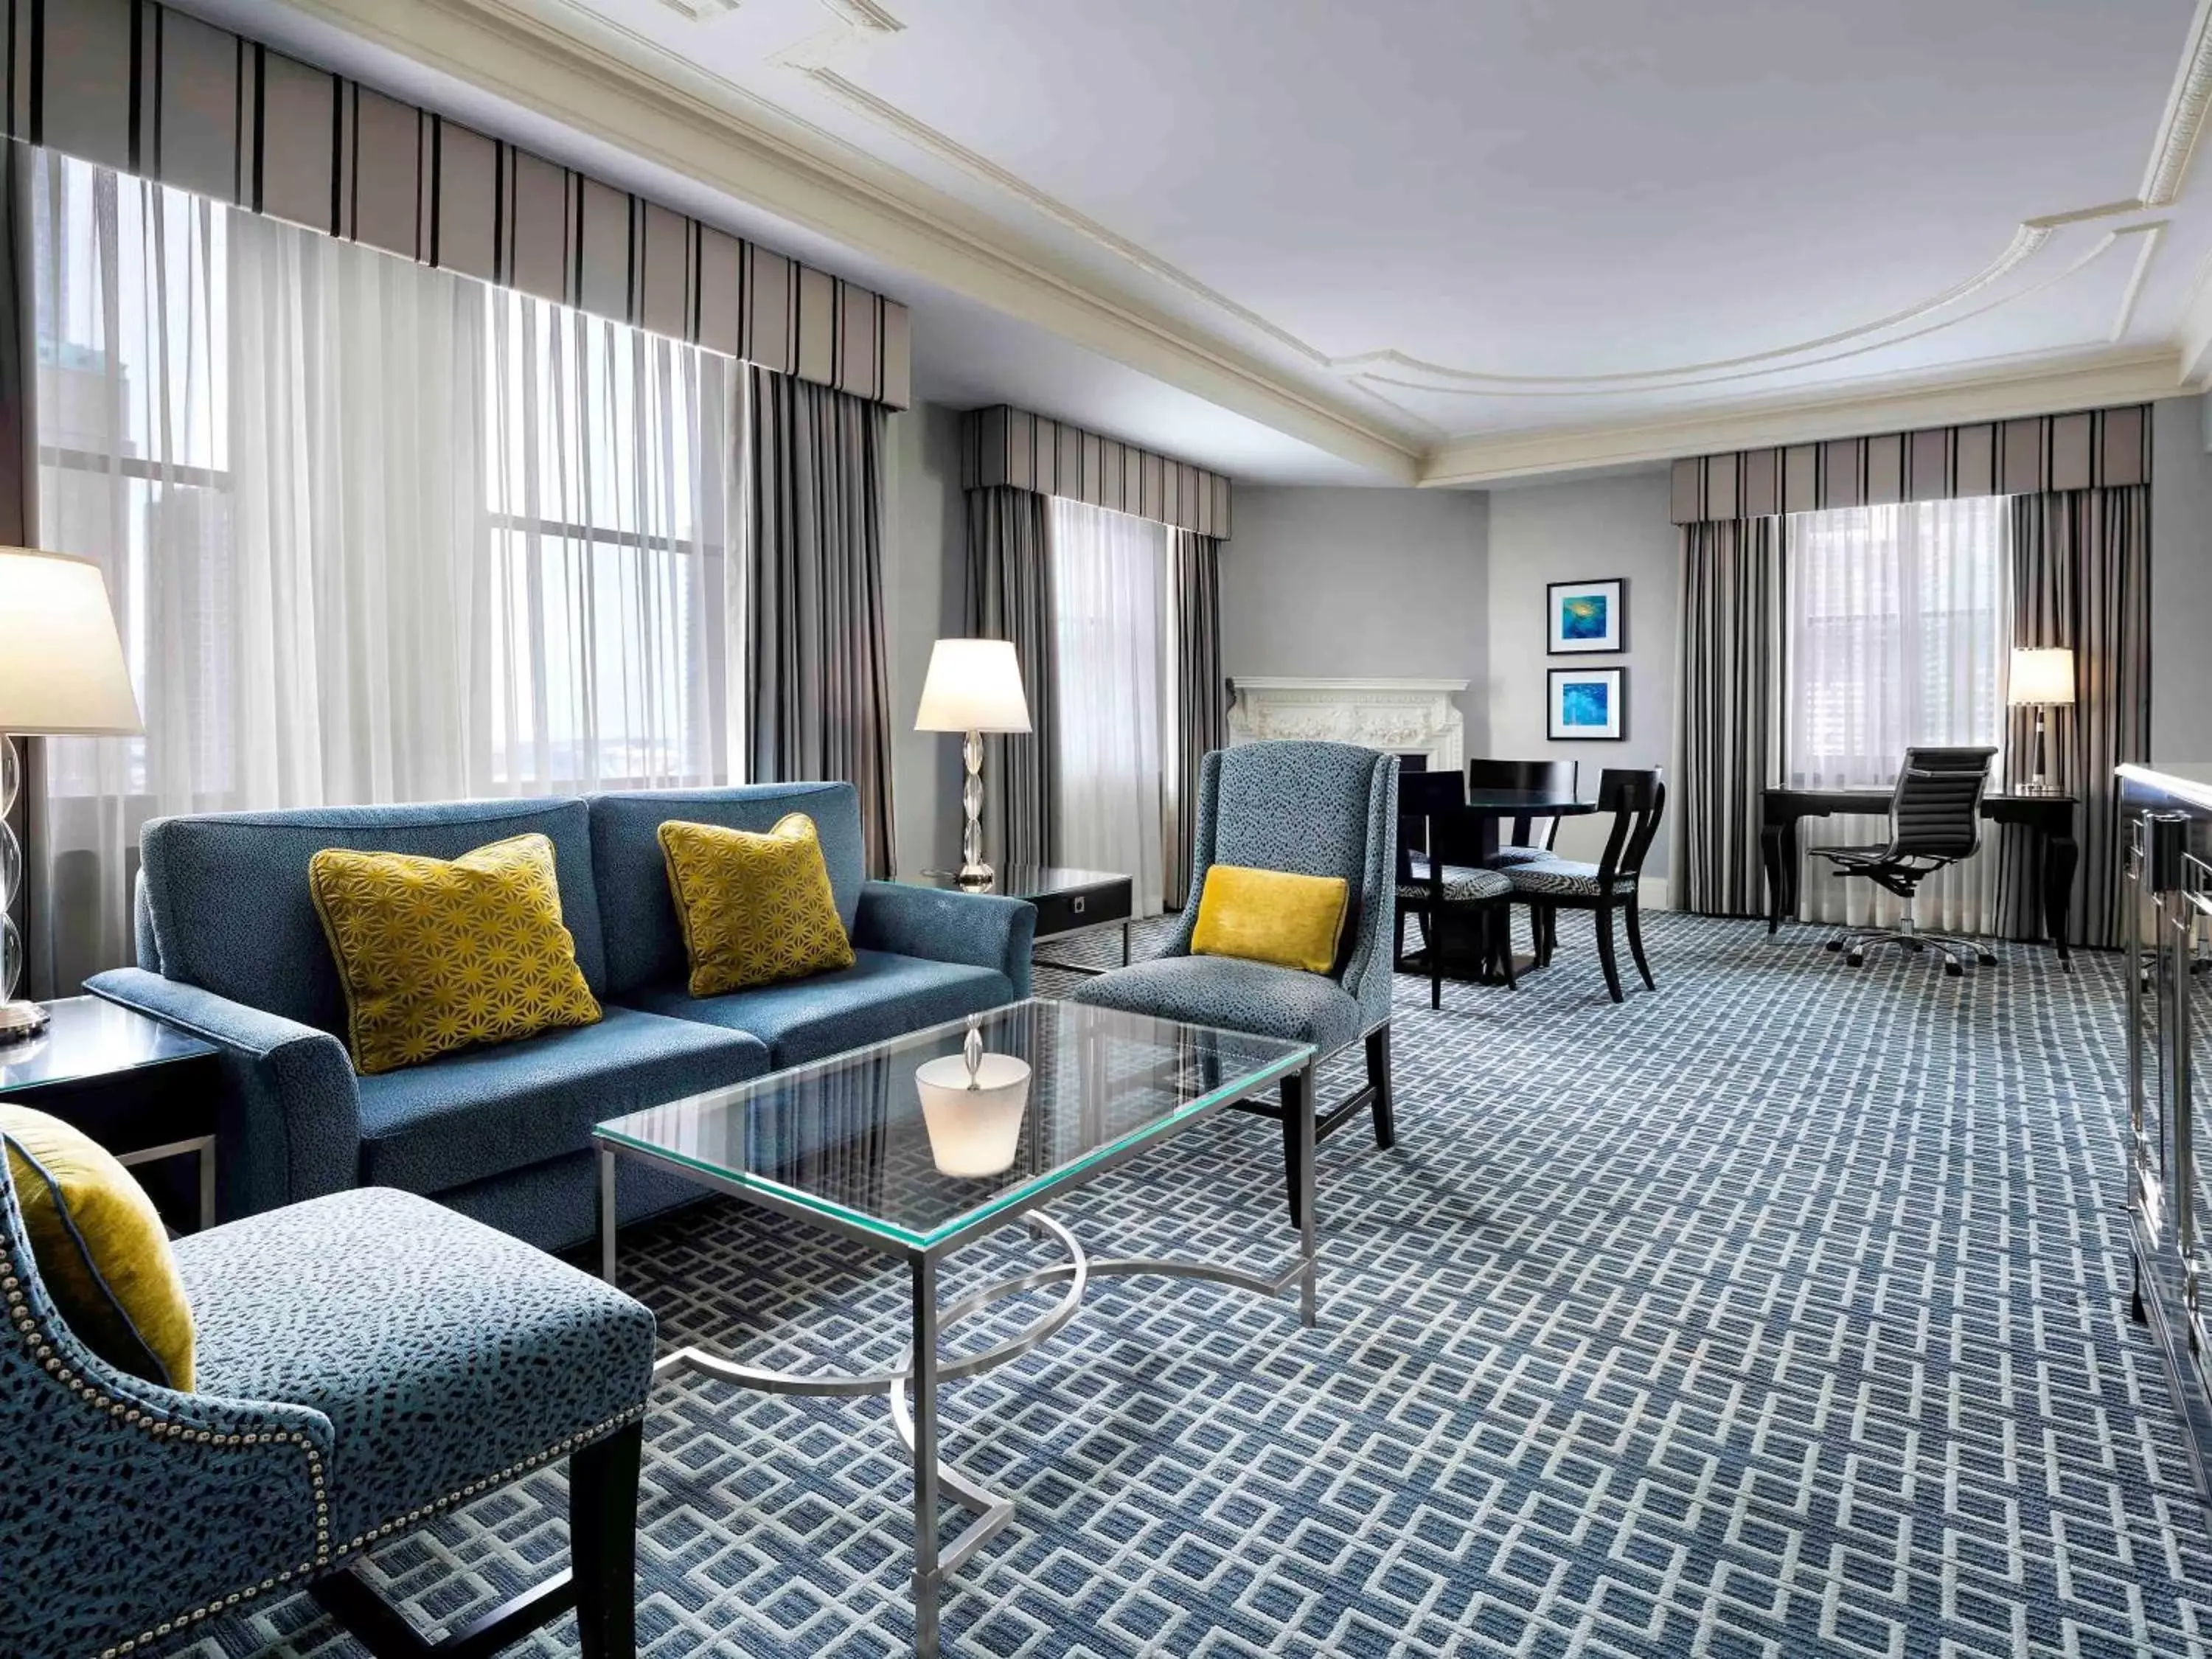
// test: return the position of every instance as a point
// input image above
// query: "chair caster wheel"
(1915, 946)
(1855, 960)
(1987, 960)
(1955, 971)
(1835, 945)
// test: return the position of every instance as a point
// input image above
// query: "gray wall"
(1342, 582)
(925, 554)
(2180, 583)
(1584, 530)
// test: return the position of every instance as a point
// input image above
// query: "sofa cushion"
(755, 909)
(645, 942)
(880, 995)
(443, 1353)
(484, 1111)
(440, 954)
(1237, 996)
(232, 912)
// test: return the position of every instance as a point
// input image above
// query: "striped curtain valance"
(135, 85)
(2083, 451)
(1012, 447)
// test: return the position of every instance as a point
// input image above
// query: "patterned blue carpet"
(1781, 1312)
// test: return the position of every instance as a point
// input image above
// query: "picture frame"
(1588, 705)
(1582, 618)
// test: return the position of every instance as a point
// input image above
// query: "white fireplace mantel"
(1407, 717)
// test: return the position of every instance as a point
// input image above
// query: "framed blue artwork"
(1586, 616)
(1589, 703)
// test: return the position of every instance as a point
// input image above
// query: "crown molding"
(719, 136)
(2113, 379)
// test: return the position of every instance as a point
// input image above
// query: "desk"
(2050, 817)
(1067, 902)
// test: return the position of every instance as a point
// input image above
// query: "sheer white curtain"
(373, 533)
(1899, 623)
(1109, 594)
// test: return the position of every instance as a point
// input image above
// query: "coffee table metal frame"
(919, 1365)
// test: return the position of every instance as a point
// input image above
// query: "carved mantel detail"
(1407, 717)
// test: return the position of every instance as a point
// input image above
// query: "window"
(1109, 599)
(1900, 619)
(372, 532)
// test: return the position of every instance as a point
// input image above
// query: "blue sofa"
(229, 947)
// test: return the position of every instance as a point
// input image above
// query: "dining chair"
(1636, 799)
(1935, 820)
(1531, 837)
(1429, 888)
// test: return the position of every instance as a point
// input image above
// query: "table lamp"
(973, 686)
(61, 674)
(2040, 679)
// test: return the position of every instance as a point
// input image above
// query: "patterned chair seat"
(1562, 878)
(1235, 995)
(1462, 884)
(447, 1357)
(1510, 855)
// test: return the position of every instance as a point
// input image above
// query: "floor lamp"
(973, 686)
(61, 674)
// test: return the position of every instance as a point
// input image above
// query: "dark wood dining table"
(1472, 834)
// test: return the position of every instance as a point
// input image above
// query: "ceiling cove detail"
(1380, 373)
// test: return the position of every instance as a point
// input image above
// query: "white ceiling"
(1418, 237)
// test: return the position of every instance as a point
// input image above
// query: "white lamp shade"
(973, 685)
(2041, 677)
(61, 672)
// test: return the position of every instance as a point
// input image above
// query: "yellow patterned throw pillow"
(755, 909)
(439, 954)
(102, 1252)
(1270, 915)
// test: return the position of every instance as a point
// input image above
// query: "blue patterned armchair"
(365, 1361)
(1315, 809)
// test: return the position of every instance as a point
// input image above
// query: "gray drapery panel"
(818, 701)
(1200, 707)
(1009, 598)
(2081, 578)
(1728, 709)
(19, 508)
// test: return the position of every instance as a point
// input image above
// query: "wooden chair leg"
(1378, 1076)
(1398, 941)
(602, 1542)
(1293, 1103)
(1636, 946)
(1603, 917)
(1505, 944)
(1436, 960)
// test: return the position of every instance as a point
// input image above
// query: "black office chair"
(1935, 820)
(1428, 887)
(1530, 837)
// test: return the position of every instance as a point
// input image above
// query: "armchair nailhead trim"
(141, 1417)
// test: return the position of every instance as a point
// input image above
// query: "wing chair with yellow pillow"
(1271, 957)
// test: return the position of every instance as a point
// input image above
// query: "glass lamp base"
(977, 877)
(21, 1021)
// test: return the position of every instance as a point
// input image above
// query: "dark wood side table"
(144, 1091)
(1067, 902)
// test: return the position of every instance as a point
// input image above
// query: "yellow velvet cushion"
(755, 909)
(102, 1252)
(1270, 915)
(438, 954)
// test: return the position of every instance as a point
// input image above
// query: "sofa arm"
(289, 1126)
(980, 929)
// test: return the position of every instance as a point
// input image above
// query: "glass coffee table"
(846, 1145)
